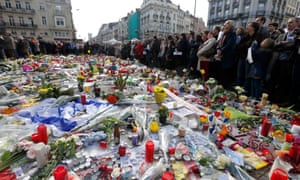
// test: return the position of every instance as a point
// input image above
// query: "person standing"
(193, 59)
(2, 45)
(205, 51)
(261, 54)
(242, 50)
(225, 51)
(272, 29)
(155, 47)
(182, 52)
(10, 47)
(283, 66)
(295, 89)
(263, 32)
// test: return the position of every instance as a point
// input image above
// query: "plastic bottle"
(116, 134)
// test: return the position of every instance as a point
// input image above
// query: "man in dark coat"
(225, 50)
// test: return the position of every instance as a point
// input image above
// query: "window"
(21, 20)
(44, 20)
(226, 12)
(220, 4)
(247, 7)
(7, 4)
(235, 10)
(11, 21)
(30, 20)
(61, 34)
(58, 9)
(261, 6)
(27, 4)
(42, 6)
(18, 5)
(59, 21)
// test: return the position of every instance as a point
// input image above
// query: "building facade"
(154, 18)
(161, 18)
(244, 11)
(48, 19)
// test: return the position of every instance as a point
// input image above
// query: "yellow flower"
(43, 91)
(203, 119)
(202, 71)
(227, 114)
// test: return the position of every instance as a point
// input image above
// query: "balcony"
(18, 26)
(18, 11)
(59, 12)
(244, 14)
(260, 13)
(234, 16)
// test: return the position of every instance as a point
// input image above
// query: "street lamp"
(195, 8)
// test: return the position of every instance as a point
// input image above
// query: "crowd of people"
(260, 58)
(14, 47)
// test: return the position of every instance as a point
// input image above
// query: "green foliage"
(8, 158)
(60, 150)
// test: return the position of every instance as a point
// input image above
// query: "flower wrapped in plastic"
(159, 94)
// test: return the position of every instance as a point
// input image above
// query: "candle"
(35, 138)
(122, 150)
(42, 133)
(103, 144)
(149, 155)
(289, 137)
(60, 173)
(279, 174)
(83, 99)
(266, 126)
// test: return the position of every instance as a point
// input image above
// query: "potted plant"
(163, 113)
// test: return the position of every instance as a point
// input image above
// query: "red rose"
(112, 99)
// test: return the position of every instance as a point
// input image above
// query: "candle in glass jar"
(266, 126)
(42, 133)
(60, 173)
(149, 155)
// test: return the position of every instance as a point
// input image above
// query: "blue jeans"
(241, 72)
(2, 54)
(255, 88)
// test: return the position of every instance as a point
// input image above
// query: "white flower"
(31, 153)
(222, 161)
(24, 145)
